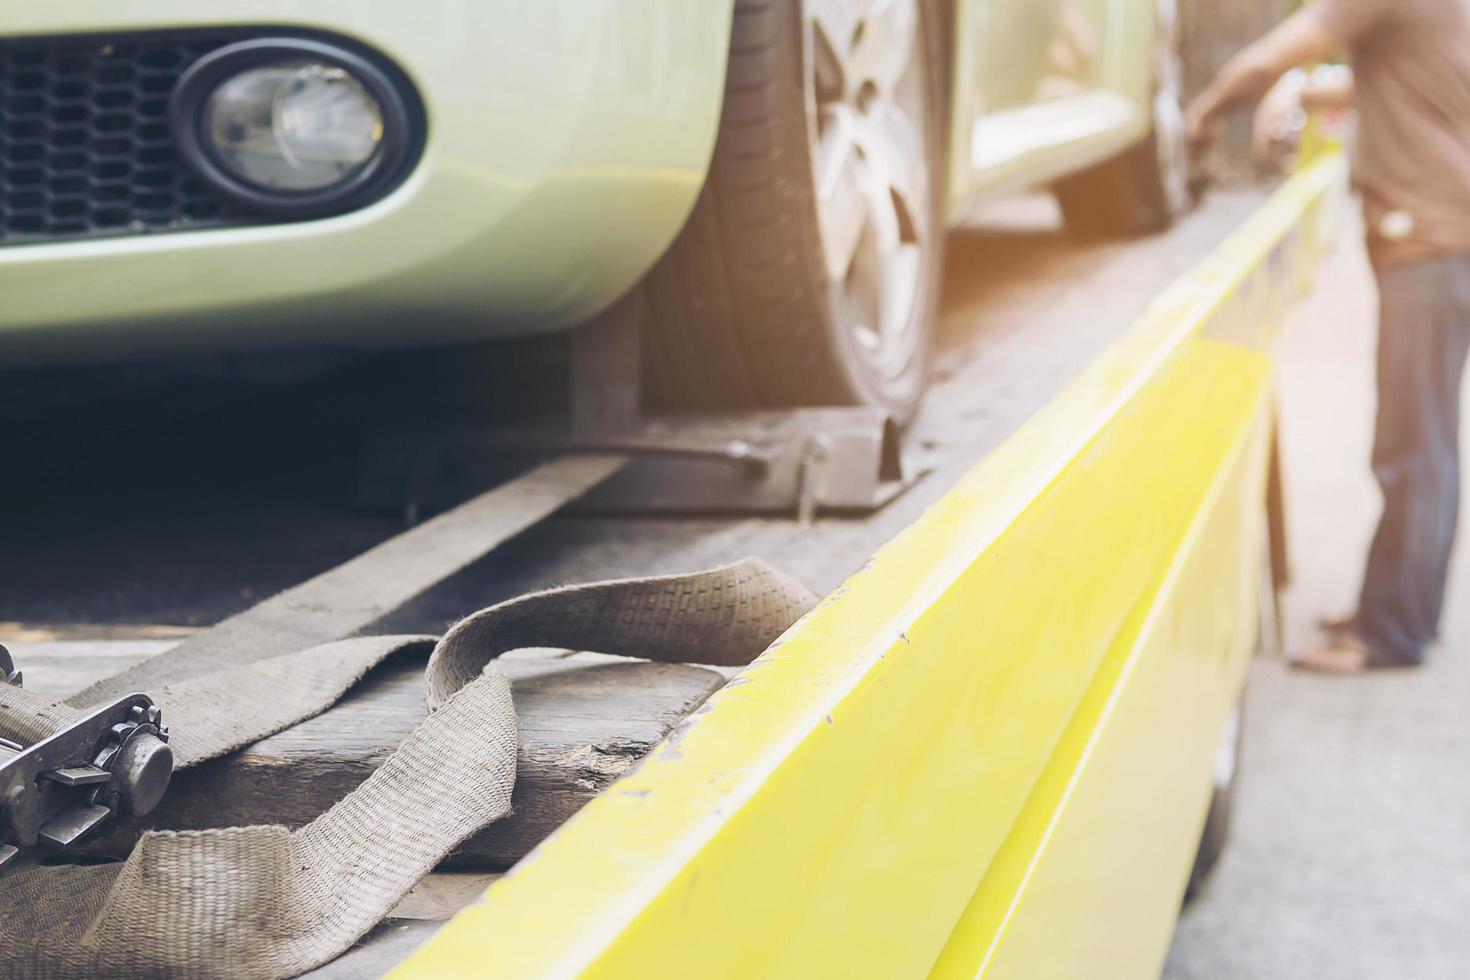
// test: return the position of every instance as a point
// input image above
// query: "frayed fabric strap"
(266, 902)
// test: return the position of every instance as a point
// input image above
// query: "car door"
(1044, 88)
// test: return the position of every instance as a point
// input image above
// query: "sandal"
(1345, 652)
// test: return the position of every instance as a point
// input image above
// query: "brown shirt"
(1411, 72)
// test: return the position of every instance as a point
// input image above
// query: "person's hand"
(1201, 126)
(1280, 119)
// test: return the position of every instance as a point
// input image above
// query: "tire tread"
(740, 284)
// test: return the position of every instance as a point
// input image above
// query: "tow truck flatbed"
(893, 783)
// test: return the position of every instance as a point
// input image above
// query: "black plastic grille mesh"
(85, 145)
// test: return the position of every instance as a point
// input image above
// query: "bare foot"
(1343, 653)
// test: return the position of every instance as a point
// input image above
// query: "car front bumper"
(566, 143)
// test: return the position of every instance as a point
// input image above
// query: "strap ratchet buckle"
(58, 792)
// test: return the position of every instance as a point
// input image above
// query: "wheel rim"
(1170, 141)
(869, 129)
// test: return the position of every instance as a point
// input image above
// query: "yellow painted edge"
(656, 840)
(980, 933)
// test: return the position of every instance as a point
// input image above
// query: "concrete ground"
(1350, 856)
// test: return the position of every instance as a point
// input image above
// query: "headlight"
(298, 126)
(295, 126)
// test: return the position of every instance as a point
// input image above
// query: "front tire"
(1144, 190)
(808, 273)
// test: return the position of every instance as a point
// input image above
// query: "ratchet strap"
(51, 760)
(265, 902)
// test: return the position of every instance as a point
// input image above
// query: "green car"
(770, 179)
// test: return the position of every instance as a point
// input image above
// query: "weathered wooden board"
(442, 894)
(585, 719)
(379, 952)
(416, 918)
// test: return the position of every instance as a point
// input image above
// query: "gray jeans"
(1423, 338)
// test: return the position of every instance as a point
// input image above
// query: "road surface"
(1350, 856)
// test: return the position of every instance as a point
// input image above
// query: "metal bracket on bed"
(800, 461)
(62, 790)
(803, 462)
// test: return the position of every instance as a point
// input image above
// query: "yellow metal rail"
(988, 753)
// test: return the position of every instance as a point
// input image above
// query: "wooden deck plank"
(442, 894)
(416, 918)
(584, 718)
(379, 952)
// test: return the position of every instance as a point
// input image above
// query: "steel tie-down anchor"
(58, 792)
(801, 461)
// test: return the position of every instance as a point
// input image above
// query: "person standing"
(1411, 84)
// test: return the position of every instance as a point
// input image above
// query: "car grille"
(85, 144)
